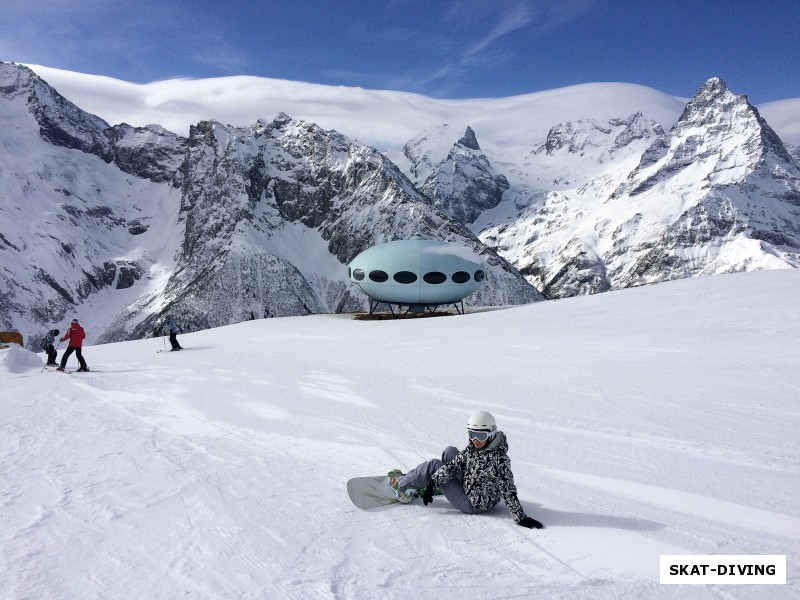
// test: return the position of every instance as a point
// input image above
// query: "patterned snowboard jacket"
(486, 475)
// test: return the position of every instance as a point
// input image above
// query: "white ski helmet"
(481, 420)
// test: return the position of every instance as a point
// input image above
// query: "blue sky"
(443, 49)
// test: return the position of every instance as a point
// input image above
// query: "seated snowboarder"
(473, 480)
(47, 346)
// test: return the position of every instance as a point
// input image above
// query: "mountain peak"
(282, 119)
(714, 86)
(59, 121)
(11, 69)
(468, 140)
(719, 129)
(713, 100)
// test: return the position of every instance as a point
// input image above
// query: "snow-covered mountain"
(618, 204)
(229, 224)
(273, 212)
(462, 182)
(119, 225)
(80, 235)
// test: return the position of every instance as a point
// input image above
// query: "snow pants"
(453, 490)
(52, 355)
(173, 339)
(78, 353)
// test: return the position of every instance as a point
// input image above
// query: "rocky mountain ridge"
(717, 193)
(463, 183)
(229, 224)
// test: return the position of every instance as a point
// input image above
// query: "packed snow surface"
(649, 421)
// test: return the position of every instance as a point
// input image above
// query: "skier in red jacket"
(75, 335)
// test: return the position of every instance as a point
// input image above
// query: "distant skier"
(173, 334)
(47, 346)
(473, 480)
(75, 335)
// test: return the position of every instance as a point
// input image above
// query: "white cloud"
(517, 17)
(385, 119)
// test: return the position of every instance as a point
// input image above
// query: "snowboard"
(371, 492)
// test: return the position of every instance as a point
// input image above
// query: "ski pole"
(164, 339)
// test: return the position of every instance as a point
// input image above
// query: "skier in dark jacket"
(47, 346)
(173, 334)
(473, 480)
(75, 335)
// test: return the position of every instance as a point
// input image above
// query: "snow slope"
(649, 421)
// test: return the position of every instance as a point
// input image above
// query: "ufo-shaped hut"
(417, 273)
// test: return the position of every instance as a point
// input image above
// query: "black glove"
(427, 495)
(530, 523)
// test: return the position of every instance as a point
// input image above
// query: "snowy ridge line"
(694, 504)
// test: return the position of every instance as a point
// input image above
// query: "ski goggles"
(480, 435)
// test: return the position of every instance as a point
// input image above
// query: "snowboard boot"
(403, 496)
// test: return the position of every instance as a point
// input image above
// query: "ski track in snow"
(640, 423)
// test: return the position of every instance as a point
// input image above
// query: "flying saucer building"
(417, 273)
